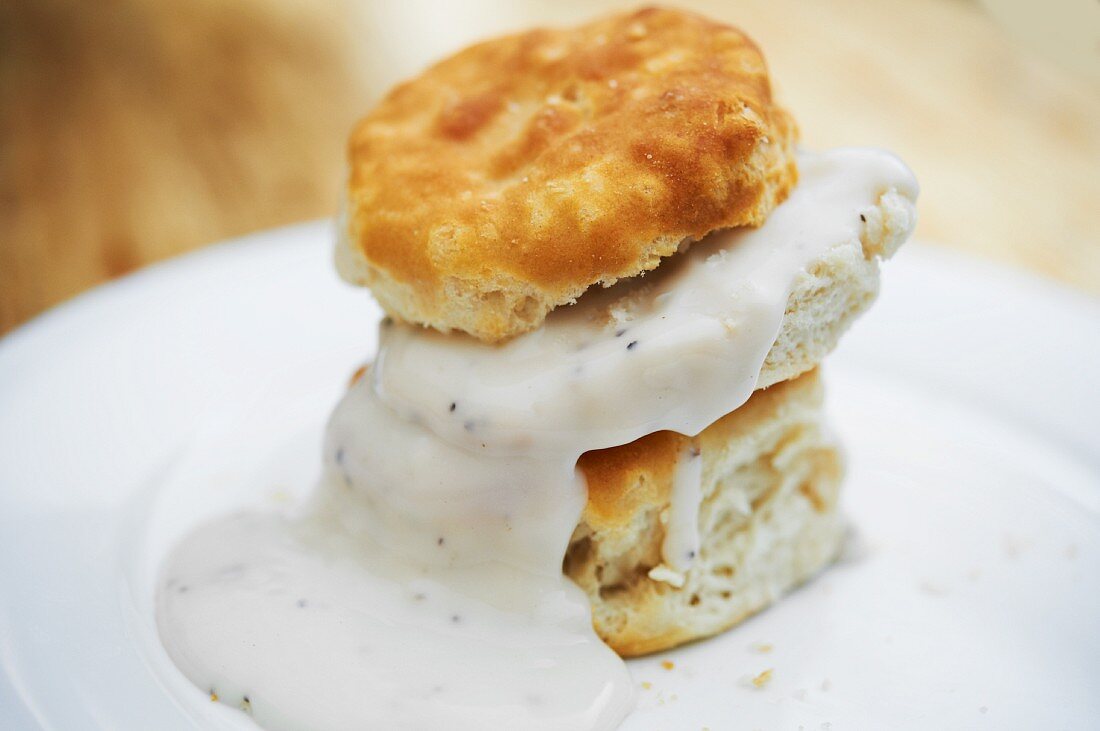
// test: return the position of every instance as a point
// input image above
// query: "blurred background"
(134, 130)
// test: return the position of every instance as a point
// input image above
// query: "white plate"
(969, 598)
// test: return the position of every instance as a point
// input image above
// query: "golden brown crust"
(624, 480)
(506, 179)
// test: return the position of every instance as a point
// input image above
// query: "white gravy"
(424, 589)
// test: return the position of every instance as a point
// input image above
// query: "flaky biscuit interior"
(768, 521)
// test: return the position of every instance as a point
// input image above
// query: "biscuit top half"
(507, 179)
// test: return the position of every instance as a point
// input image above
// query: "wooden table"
(135, 130)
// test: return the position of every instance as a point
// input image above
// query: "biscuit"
(830, 293)
(768, 521)
(507, 179)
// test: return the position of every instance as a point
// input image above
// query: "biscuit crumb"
(666, 575)
(668, 664)
(763, 678)
(362, 370)
(646, 685)
(213, 696)
(761, 647)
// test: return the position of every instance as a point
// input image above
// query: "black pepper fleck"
(440, 541)
(631, 344)
(340, 456)
(863, 218)
(455, 619)
(691, 554)
(387, 321)
(454, 406)
(620, 333)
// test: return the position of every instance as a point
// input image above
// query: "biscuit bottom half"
(767, 521)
